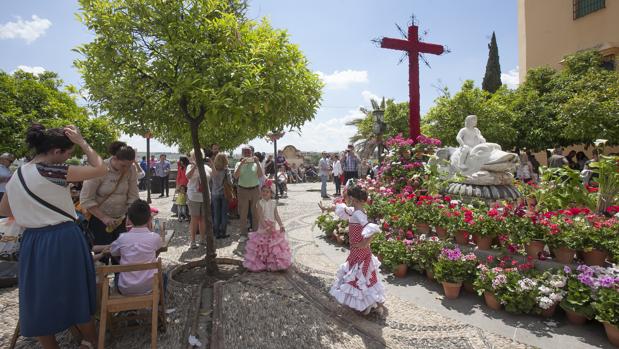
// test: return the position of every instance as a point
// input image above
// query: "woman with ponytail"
(56, 271)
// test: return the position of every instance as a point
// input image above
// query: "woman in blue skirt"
(56, 271)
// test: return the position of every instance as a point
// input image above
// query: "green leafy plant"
(561, 188)
(453, 266)
(607, 306)
(425, 253)
(394, 253)
(579, 297)
(607, 168)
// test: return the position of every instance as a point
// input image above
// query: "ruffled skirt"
(356, 289)
(267, 250)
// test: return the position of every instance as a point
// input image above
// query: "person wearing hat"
(6, 160)
(248, 172)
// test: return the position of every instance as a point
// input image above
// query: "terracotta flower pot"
(441, 232)
(612, 332)
(400, 270)
(595, 257)
(564, 254)
(549, 312)
(483, 242)
(468, 287)
(452, 289)
(462, 237)
(574, 318)
(492, 301)
(422, 228)
(430, 274)
(534, 247)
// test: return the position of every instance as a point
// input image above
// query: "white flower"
(545, 302)
(556, 297)
(545, 289)
(422, 237)
(558, 282)
(526, 284)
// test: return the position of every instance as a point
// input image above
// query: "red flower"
(490, 258)
(493, 212)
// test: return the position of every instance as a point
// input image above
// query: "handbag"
(88, 215)
(10, 237)
(228, 190)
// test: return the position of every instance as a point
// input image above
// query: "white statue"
(480, 162)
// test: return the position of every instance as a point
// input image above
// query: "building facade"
(548, 30)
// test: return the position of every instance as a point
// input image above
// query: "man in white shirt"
(337, 173)
(324, 168)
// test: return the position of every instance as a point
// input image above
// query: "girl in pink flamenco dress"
(356, 283)
(267, 248)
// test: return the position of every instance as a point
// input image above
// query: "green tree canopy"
(575, 105)
(194, 72)
(26, 98)
(153, 64)
(495, 120)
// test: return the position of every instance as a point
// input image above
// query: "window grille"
(585, 7)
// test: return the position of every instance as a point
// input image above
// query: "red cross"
(414, 47)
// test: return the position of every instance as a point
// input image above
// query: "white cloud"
(511, 78)
(24, 29)
(330, 135)
(33, 70)
(368, 96)
(139, 143)
(342, 79)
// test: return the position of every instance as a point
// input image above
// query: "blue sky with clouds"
(334, 35)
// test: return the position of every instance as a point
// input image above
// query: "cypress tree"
(492, 79)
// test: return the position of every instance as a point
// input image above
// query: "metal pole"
(275, 166)
(148, 170)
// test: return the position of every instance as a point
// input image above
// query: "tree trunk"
(194, 124)
(211, 265)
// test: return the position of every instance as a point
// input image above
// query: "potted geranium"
(520, 293)
(606, 304)
(423, 213)
(440, 219)
(577, 302)
(530, 230)
(425, 253)
(327, 224)
(488, 224)
(566, 235)
(600, 239)
(550, 291)
(490, 283)
(459, 220)
(395, 256)
(452, 269)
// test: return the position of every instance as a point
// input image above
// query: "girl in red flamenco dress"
(356, 283)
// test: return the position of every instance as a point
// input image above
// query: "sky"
(335, 36)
